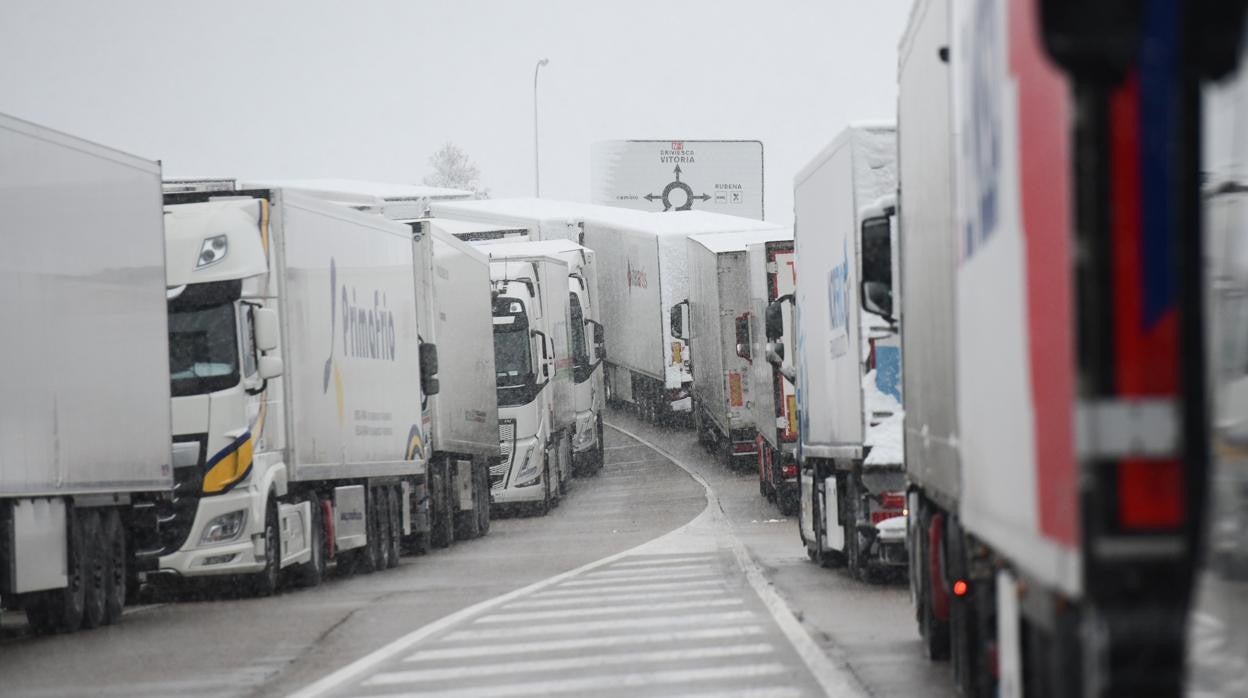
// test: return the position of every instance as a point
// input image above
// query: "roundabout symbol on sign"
(673, 187)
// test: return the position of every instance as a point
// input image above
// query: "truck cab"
(226, 385)
(533, 377)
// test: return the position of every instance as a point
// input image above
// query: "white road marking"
(573, 600)
(760, 692)
(640, 578)
(598, 626)
(691, 584)
(730, 632)
(602, 610)
(652, 573)
(582, 662)
(607, 681)
(682, 560)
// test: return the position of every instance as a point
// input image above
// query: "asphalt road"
(725, 602)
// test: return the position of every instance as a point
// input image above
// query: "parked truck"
(851, 482)
(298, 377)
(85, 454)
(719, 342)
(1052, 273)
(533, 369)
(453, 311)
(773, 402)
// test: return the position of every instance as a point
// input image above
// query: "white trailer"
(851, 480)
(773, 403)
(533, 370)
(453, 313)
(85, 426)
(298, 377)
(719, 343)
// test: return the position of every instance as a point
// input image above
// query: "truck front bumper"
(242, 554)
(586, 436)
(535, 491)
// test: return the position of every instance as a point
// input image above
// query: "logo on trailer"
(981, 136)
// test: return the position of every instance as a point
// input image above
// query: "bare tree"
(454, 170)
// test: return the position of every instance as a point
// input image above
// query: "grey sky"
(369, 89)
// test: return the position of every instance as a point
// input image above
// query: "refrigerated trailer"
(298, 376)
(1057, 530)
(453, 312)
(85, 429)
(533, 374)
(852, 483)
(719, 342)
(773, 403)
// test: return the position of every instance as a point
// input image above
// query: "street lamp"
(537, 176)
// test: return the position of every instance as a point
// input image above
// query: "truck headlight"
(212, 250)
(530, 471)
(225, 527)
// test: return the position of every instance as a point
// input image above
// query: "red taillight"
(893, 500)
(960, 588)
(789, 470)
(743, 447)
(1150, 494)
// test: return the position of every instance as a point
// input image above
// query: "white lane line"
(603, 610)
(671, 586)
(730, 632)
(598, 626)
(760, 692)
(607, 681)
(654, 573)
(583, 582)
(598, 599)
(581, 663)
(834, 680)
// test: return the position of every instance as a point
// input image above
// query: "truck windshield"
(203, 349)
(513, 364)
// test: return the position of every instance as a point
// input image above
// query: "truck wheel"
(545, 507)
(483, 498)
(385, 523)
(600, 458)
(374, 556)
(853, 547)
(266, 581)
(786, 501)
(67, 606)
(310, 573)
(95, 579)
(935, 632)
(118, 573)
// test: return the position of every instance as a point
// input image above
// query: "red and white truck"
(1056, 430)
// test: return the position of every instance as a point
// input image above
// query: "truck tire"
(312, 572)
(95, 579)
(600, 456)
(387, 559)
(483, 497)
(118, 566)
(266, 581)
(935, 632)
(854, 555)
(374, 555)
(67, 606)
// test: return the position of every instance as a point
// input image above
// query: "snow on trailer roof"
(736, 241)
(512, 249)
(685, 223)
(531, 209)
(457, 227)
(356, 191)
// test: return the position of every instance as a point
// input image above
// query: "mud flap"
(834, 533)
(463, 485)
(1009, 645)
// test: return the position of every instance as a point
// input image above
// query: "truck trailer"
(298, 379)
(453, 311)
(851, 482)
(533, 370)
(773, 403)
(85, 450)
(1053, 275)
(719, 342)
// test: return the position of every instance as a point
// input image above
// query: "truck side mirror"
(267, 332)
(773, 319)
(743, 336)
(429, 383)
(679, 321)
(775, 353)
(269, 367)
(876, 287)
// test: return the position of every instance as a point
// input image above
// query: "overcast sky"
(368, 89)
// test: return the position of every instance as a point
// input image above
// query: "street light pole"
(537, 175)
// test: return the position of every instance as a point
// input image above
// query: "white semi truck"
(85, 432)
(298, 376)
(852, 482)
(453, 312)
(773, 403)
(533, 374)
(719, 342)
(1054, 282)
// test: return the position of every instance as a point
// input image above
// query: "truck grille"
(506, 447)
